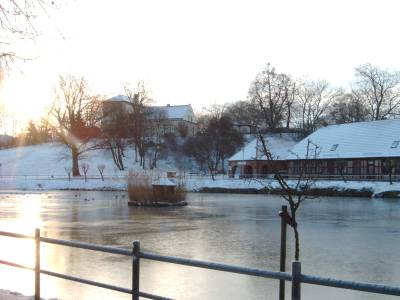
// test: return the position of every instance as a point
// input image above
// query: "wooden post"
(296, 280)
(37, 264)
(283, 252)
(135, 270)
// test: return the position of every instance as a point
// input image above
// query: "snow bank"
(9, 295)
(52, 158)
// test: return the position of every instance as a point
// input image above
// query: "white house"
(169, 119)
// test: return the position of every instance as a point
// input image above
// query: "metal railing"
(296, 277)
(344, 177)
(336, 177)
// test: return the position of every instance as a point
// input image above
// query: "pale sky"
(201, 52)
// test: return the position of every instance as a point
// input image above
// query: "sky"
(199, 52)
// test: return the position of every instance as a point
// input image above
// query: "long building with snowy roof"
(362, 150)
(250, 161)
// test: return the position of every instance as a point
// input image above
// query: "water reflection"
(355, 239)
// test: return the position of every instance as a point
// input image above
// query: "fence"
(344, 177)
(295, 277)
(336, 177)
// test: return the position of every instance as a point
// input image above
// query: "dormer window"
(334, 147)
(395, 144)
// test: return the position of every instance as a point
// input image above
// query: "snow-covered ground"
(9, 295)
(41, 167)
(51, 160)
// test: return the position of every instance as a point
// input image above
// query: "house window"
(349, 167)
(334, 147)
(395, 144)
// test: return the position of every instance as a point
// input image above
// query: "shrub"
(142, 192)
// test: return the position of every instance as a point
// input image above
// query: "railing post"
(296, 273)
(135, 270)
(283, 252)
(37, 264)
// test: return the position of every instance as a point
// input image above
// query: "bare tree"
(314, 98)
(271, 91)
(156, 131)
(139, 118)
(291, 90)
(379, 89)
(244, 112)
(214, 144)
(68, 171)
(101, 168)
(17, 21)
(295, 190)
(115, 131)
(85, 169)
(70, 109)
(347, 109)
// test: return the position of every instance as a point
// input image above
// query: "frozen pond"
(347, 238)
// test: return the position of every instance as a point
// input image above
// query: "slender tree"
(272, 93)
(139, 118)
(85, 169)
(101, 168)
(70, 112)
(314, 98)
(296, 190)
(115, 131)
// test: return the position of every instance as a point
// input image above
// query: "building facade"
(250, 161)
(363, 150)
(175, 119)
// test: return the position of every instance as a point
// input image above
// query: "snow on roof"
(119, 98)
(353, 140)
(173, 111)
(278, 143)
(170, 111)
(163, 182)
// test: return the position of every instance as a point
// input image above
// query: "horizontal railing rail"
(351, 285)
(296, 277)
(82, 245)
(216, 266)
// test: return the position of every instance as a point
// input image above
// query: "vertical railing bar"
(296, 277)
(282, 266)
(37, 264)
(135, 270)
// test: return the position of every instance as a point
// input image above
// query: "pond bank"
(207, 185)
(320, 188)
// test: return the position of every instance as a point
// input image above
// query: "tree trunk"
(288, 117)
(75, 163)
(155, 160)
(136, 160)
(297, 242)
